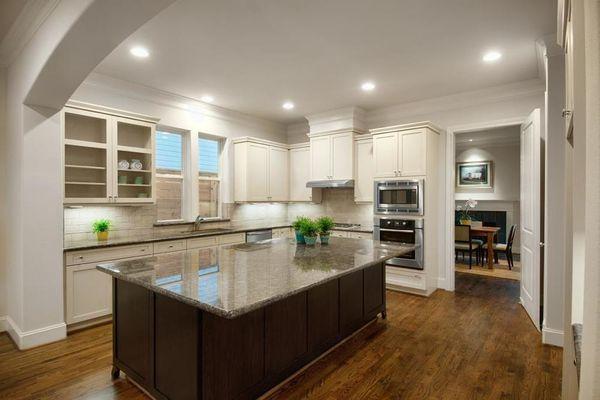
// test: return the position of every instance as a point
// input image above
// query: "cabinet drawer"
(167, 247)
(360, 235)
(233, 238)
(114, 253)
(197, 243)
(405, 278)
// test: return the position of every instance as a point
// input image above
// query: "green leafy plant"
(325, 225)
(297, 224)
(101, 225)
(309, 228)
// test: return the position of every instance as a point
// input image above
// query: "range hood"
(331, 183)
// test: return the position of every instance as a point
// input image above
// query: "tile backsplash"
(139, 220)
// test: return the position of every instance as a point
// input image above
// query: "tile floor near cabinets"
(476, 343)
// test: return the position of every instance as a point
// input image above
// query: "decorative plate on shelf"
(136, 164)
(123, 164)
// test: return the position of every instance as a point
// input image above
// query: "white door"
(320, 158)
(385, 155)
(299, 174)
(278, 174)
(412, 161)
(531, 174)
(258, 172)
(342, 159)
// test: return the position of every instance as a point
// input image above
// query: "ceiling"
(252, 55)
(9, 11)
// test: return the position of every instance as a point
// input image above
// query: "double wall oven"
(397, 202)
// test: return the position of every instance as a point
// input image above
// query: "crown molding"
(33, 15)
(81, 105)
(245, 139)
(136, 91)
(456, 101)
(342, 118)
(355, 131)
(302, 145)
(497, 142)
(405, 127)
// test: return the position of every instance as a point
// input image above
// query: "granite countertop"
(232, 280)
(163, 236)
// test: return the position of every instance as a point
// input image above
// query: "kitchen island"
(232, 322)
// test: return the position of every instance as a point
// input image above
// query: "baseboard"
(3, 324)
(35, 337)
(553, 337)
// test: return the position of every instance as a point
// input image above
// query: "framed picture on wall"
(475, 174)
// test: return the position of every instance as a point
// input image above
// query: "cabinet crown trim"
(81, 105)
(296, 146)
(405, 127)
(336, 131)
(266, 142)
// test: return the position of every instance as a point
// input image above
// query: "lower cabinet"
(87, 293)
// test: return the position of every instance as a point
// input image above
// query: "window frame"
(221, 143)
(184, 167)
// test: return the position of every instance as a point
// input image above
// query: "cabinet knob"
(170, 246)
(80, 257)
(566, 113)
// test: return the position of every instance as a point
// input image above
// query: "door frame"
(448, 282)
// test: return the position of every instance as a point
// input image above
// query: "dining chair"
(464, 243)
(505, 248)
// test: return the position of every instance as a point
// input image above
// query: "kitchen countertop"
(89, 244)
(163, 236)
(232, 280)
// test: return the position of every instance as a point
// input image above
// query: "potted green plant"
(309, 230)
(325, 225)
(464, 218)
(100, 227)
(297, 225)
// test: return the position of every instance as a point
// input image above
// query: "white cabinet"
(363, 186)
(300, 175)
(278, 174)
(400, 154)
(88, 293)
(93, 144)
(261, 170)
(332, 156)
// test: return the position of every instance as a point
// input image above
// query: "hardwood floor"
(500, 270)
(476, 343)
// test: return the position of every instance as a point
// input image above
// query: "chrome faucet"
(197, 223)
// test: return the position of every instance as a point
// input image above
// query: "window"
(209, 152)
(169, 175)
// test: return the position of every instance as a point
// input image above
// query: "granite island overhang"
(233, 321)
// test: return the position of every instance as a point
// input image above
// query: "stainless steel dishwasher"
(257, 236)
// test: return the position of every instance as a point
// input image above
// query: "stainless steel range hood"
(331, 183)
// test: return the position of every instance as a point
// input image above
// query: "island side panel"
(177, 348)
(233, 362)
(323, 317)
(351, 303)
(133, 322)
(374, 292)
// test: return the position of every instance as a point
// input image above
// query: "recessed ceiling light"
(140, 52)
(367, 86)
(207, 99)
(492, 56)
(288, 105)
(470, 140)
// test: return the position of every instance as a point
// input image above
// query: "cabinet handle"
(170, 246)
(80, 257)
(142, 249)
(566, 113)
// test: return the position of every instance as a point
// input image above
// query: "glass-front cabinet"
(107, 158)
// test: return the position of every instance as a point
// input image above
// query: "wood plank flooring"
(476, 343)
(500, 270)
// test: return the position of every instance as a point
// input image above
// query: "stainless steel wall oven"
(406, 231)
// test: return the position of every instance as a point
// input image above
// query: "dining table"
(489, 232)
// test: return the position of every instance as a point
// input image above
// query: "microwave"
(399, 197)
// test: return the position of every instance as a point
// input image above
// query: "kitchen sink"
(209, 231)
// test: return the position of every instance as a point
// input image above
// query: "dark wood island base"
(173, 350)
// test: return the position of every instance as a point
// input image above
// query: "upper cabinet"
(332, 156)
(363, 186)
(261, 170)
(300, 175)
(107, 158)
(400, 153)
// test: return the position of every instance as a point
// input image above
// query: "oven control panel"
(397, 224)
